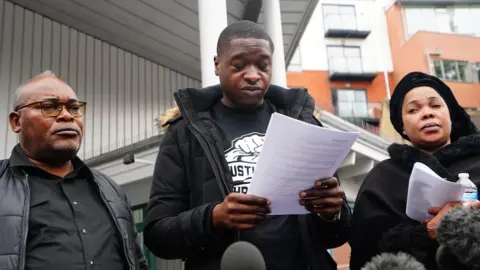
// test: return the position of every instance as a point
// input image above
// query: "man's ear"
(216, 62)
(14, 120)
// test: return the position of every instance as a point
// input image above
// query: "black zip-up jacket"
(14, 214)
(191, 176)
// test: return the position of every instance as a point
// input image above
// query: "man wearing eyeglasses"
(55, 212)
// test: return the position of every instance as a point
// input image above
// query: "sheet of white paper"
(294, 155)
(426, 189)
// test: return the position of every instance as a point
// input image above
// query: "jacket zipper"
(203, 141)
(26, 210)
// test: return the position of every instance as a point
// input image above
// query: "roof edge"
(307, 14)
(119, 153)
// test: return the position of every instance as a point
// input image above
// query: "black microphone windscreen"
(458, 232)
(390, 261)
(242, 256)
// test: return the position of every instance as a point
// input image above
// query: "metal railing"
(345, 64)
(358, 109)
(368, 133)
(341, 22)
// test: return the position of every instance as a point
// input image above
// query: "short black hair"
(242, 29)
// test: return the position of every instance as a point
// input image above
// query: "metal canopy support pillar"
(273, 26)
(212, 19)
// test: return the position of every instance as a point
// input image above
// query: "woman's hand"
(438, 212)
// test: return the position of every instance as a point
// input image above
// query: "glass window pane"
(351, 103)
(474, 15)
(443, 21)
(330, 9)
(360, 96)
(463, 68)
(347, 10)
(334, 51)
(355, 64)
(348, 22)
(355, 52)
(477, 68)
(450, 68)
(338, 64)
(333, 21)
(361, 109)
(418, 19)
(462, 21)
(137, 216)
(438, 68)
(140, 241)
(345, 95)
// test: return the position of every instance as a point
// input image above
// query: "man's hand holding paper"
(324, 199)
(288, 169)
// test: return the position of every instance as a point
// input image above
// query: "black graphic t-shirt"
(278, 238)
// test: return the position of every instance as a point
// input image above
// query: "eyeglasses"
(52, 108)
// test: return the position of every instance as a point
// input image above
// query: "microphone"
(390, 261)
(459, 239)
(242, 256)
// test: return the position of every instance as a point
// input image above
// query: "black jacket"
(14, 214)
(191, 176)
(379, 222)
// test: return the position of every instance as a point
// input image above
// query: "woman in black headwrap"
(424, 111)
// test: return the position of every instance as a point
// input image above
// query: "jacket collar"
(463, 148)
(195, 101)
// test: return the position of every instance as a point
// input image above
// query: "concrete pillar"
(273, 26)
(212, 19)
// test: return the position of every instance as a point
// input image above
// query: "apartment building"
(441, 38)
(344, 59)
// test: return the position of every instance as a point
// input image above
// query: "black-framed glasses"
(52, 108)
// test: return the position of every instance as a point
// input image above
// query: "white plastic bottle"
(471, 193)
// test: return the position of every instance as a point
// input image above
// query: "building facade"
(344, 59)
(439, 38)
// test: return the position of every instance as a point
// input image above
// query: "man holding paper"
(199, 203)
(444, 143)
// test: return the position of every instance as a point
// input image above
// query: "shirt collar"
(20, 159)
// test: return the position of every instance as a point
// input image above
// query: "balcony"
(349, 69)
(360, 113)
(343, 26)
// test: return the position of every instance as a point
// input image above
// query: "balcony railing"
(349, 68)
(362, 114)
(343, 26)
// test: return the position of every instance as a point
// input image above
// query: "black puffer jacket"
(14, 214)
(191, 176)
(380, 223)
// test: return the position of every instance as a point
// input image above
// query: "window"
(420, 19)
(350, 102)
(461, 71)
(138, 213)
(339, 17)
(344, 59)
(444, 19)
(477, 71)
(351, 203)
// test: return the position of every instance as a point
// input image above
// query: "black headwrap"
(461, 122)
